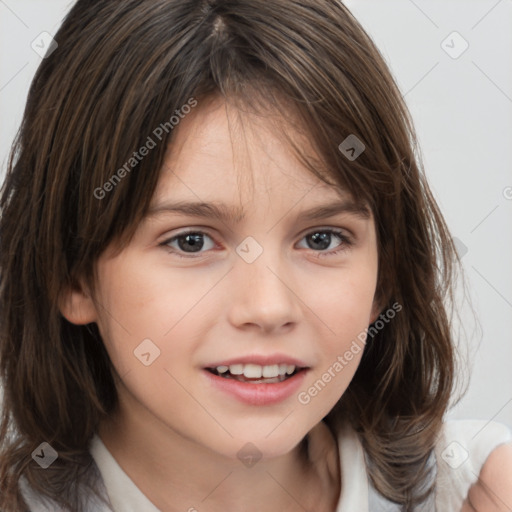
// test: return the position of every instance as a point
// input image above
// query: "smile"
(257, 389)
(256, 373)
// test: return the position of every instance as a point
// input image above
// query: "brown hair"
(122, 69)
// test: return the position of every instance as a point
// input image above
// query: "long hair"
(121, 70)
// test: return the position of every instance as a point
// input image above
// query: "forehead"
(229, 152)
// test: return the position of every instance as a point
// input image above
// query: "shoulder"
(470, 454)
(492, 492)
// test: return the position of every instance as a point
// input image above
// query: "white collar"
(354, 479)
(124, 495)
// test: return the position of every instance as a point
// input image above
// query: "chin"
(279, 443)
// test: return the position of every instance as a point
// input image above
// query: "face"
(257, 285)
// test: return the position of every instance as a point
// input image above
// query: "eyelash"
(346, 242)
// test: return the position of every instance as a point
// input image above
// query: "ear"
(77, 305)
(376, 311)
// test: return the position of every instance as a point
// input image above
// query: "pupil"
(322, 238)
(194, 240)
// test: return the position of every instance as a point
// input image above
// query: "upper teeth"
(255, 371)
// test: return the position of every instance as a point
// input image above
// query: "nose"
(263, 296)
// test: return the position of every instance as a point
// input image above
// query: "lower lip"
(258, 394)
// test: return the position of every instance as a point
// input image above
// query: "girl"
(225, 283)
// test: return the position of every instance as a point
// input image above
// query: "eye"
(189, 242)
(320, 240)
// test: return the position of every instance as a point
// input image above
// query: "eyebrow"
(224, 213)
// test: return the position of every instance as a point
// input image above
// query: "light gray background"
(462, 108)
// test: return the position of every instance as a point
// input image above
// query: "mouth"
(257, 374)
(257, 380)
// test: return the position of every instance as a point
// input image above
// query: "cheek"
(154, 297)
(346, 304)
(345, 310)
(331, 379)
(142, 310)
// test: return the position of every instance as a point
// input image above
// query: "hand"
(492, 492)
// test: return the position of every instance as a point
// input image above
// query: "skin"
(492, 492)
(175, 435)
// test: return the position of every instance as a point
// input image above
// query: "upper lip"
(262, 360)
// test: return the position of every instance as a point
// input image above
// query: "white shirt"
(460, 453)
